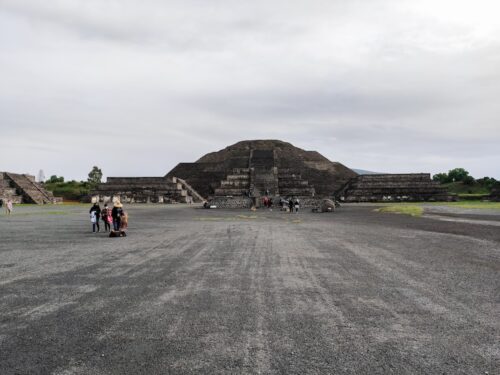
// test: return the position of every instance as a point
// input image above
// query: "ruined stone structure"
(393, 187)
(22, 188)
(146, 190)
(251, 169)
(495, 192)
(239, 175)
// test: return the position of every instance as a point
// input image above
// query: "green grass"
(473, 205)
(404, 209)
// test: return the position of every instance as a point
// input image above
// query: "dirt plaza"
(199, 291)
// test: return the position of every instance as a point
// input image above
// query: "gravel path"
(211, 291)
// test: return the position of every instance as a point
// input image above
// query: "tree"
(457, 174)
(442, 178)
(95, 176)
(54, 179)
(468, 180)
(487, 182)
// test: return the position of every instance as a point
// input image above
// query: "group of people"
(116, 216)
(293, 204)
(9, 206)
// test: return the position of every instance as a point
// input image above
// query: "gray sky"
(136, 86)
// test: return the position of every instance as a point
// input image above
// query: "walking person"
(9, 207)
(106, 218)
(116, 214)
(290, 205)
(297, 205)
(95, 215)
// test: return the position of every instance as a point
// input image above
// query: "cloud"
(386, 85)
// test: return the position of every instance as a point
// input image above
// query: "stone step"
(292, 183)
(301, 192)
(238, 177)
(225, 192)
(30, 190)
(229, 184)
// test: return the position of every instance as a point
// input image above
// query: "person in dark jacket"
(95, 214)
(290, 205)
(116, 214)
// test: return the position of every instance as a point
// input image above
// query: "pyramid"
(264, 167)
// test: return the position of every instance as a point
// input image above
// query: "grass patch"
(412, 210)
(470, 204)
(474, 205)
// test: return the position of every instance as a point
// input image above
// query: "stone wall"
(143, 190)
(393, 187)
(246, 202)
(232, 202)
(495, 193)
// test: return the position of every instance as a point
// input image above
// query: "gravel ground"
(211, 291)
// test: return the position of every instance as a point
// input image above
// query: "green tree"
(442, 178)
(468, 180)
(54, 179)
(95, 176)
(457, 174)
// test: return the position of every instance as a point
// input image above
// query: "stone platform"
(146, 190)
(393, 187)
(495, 193)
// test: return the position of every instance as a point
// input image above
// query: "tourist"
(265, 201)
(95, 214)
(116, 214)
(297, 205)
(290, 205)
(9, 207)
(123, 223)
(106, 218)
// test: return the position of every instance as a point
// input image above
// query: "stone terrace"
(393, 187)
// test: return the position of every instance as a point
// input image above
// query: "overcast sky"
(136, 86)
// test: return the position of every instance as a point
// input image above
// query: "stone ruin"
(393, 187)
(22, 188)
(239, 175)
(146, 190)
(495, 193)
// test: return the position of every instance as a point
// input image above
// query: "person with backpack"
(116, 214)
(95, 214)
(106, 218)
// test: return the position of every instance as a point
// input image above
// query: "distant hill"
(362, 171)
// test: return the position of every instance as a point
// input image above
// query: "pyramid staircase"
(291, 184)
(237, 183)
(28, 188)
